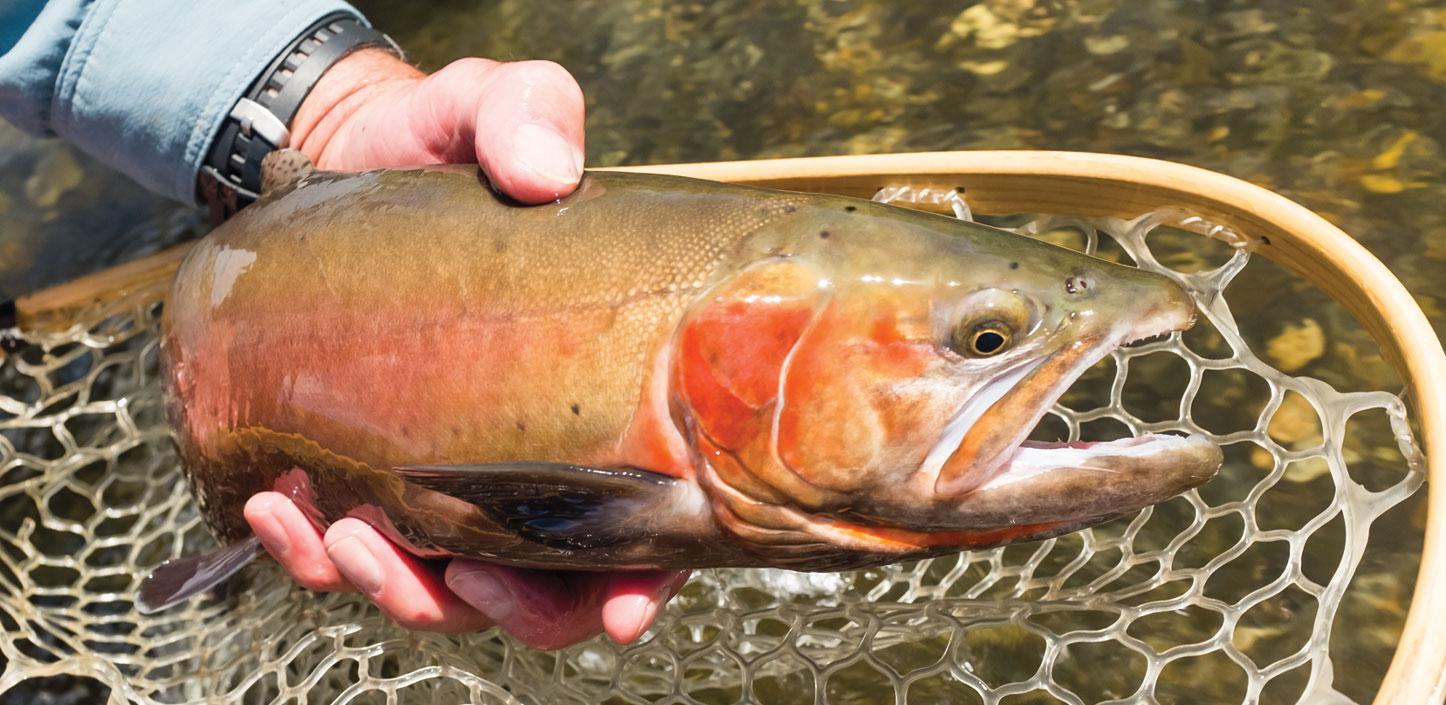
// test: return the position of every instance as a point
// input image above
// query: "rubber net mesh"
(1213, 594)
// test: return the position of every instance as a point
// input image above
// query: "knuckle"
(543, 66)
(470, 65)
(542, 70)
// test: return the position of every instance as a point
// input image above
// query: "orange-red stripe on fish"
(881, 538)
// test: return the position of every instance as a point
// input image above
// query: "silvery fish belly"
(654, 372)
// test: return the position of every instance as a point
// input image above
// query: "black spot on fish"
(576, 410)
(851, 208)
(1264, 240)
(958, 189)
(823, 234)
(1014, 265)
(1076, 285)
(521, 426)
(789, 208)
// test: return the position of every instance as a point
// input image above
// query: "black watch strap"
(231, 175)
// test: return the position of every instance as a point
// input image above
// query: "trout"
(653, 372)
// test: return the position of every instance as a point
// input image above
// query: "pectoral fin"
(180, 578)
(567, 506)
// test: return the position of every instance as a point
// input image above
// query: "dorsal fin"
(282, 169)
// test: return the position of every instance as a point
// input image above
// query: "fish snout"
(1167, 307)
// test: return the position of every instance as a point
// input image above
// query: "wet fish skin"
(780, 361)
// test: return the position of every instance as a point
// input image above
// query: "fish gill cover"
(1226, 594)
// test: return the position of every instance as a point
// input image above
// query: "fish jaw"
(988, 438)
(1050, 484)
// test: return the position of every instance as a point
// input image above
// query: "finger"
(529, 130)
(545, 610)
(405, 589)
(293, 541)
(635, 598)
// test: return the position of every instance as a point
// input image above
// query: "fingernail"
(545, 151)
(272, 534)
(646, 607)
(356, 562)
(485, 592)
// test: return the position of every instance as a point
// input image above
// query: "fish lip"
(1176, 315)
(1034, 458)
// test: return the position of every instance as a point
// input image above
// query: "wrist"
(345, 88)
(259, 123)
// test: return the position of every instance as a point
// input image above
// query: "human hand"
(546, 610)
(523, 123)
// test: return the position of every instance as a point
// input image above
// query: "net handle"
(1098, 185)
(56, 308)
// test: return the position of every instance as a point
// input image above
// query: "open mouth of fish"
(985, 448)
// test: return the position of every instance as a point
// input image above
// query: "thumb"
(529, 129)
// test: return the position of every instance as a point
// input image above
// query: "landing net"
(1225, 594)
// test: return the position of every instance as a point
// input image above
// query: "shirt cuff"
(146, 86)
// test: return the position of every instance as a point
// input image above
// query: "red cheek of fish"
(718, 413)
(730, 355)
(835, 417)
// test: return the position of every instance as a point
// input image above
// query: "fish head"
(872, 379)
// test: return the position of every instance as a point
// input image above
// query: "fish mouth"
(984, 453)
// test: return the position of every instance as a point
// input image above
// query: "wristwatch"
(230, 178)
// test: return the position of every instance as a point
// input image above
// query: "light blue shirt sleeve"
(142, 86)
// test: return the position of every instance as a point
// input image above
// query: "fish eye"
(983, 340)
(989, 339)
(992, 322)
